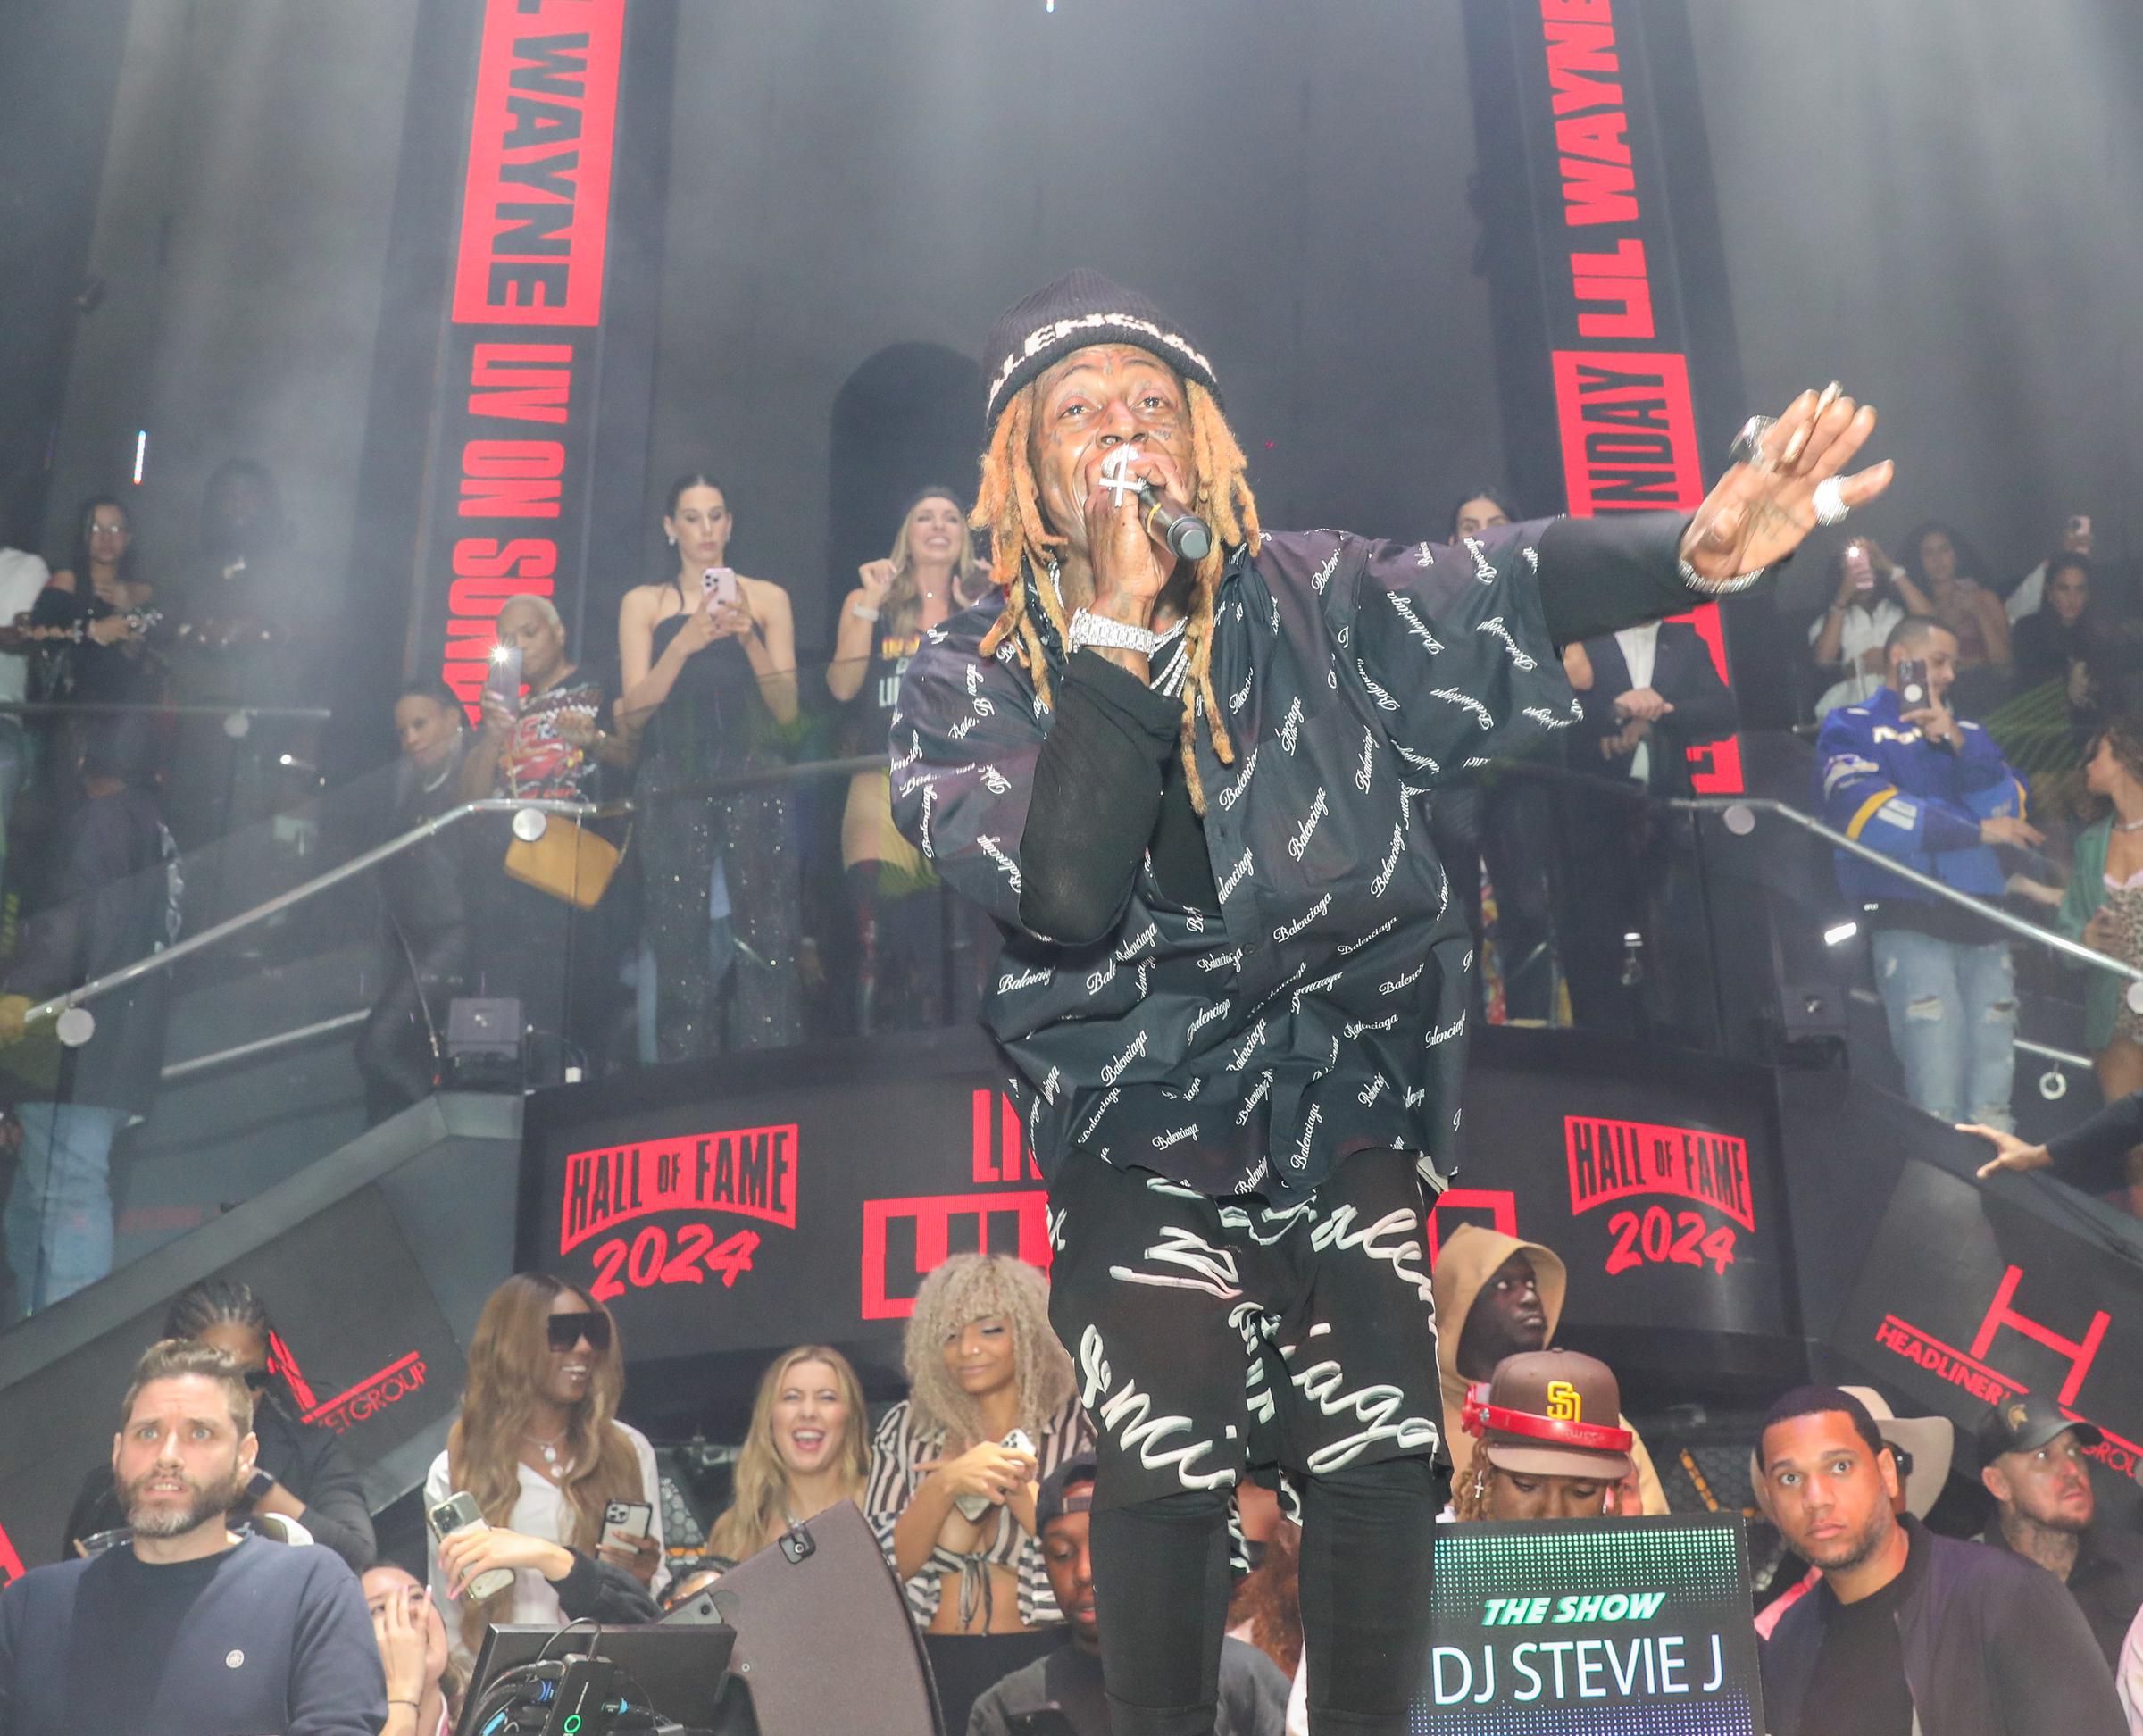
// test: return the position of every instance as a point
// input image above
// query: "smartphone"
(459, 1512)
(973, 1506)
(502, 680)
(1860, 566)
(2079, 525)
(718, 587)
(625, 1523)
(1912, 683)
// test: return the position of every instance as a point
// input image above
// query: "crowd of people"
(740, 906)
(221, 1571)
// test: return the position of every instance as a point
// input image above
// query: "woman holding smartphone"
(952, 1490)
(931, 574)
(538, 1447)
(1871, 596)
(709, 662)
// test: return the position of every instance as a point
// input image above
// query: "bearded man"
(1234, 987)
(186, 1627)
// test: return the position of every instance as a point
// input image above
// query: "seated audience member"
(2031, 589)
(425, 949)
(1496, 1296)
(809, 1448)
(1871, 598)
(1254, 1693)
(298, 1473)
(1920, 1447)
(1654, 693)
(538, 1444)
(423, 1693)
(1910, 1631)
(116, 889)
(2032, 1463)
(1922, 785)
(981, 1361)
(1548, 1440)
(188, 1627)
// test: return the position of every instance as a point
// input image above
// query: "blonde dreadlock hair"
(1009, 507)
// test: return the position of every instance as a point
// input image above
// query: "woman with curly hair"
(540, 1445)
(981, 1362)
(809, 1449)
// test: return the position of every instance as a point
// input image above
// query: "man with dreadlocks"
(1234, 982)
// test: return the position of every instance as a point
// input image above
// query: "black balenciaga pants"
(1215, 1335)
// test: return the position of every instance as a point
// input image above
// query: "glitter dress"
(714, 724)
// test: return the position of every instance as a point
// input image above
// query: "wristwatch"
(1088, 629)
(262, 1481)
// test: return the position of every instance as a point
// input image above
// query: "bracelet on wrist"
(1101, 632)
(863, 612)
(1704, 587)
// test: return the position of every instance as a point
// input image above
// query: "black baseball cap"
(1051, 1502)
(2025, 1422)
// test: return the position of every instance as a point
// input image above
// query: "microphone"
(1188, 535)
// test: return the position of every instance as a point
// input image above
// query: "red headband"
(1479, 1416)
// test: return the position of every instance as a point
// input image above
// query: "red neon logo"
(933, 1216)
(1616, 1159)
(536, 201)
(749, 1171)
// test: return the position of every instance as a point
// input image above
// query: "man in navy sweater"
(188, 1628)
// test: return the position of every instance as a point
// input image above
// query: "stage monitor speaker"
(824, 1641)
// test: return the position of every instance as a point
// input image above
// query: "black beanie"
(1082, 307)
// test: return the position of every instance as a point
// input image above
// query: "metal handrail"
(409, 840)
(297, 895)
(1726, 806)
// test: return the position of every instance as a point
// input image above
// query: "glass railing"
(202, 1027)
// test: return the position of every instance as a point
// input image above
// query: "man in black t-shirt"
(1254, 1693)
(188, 1630)
(1909, 1631)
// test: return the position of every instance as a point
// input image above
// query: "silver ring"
(1830, 501)
(1749, 444)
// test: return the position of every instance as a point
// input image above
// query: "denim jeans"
(58, 1221)
(1952, 1011)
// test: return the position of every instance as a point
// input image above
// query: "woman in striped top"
(981, 1362)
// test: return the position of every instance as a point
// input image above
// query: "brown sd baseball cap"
(1552, 1414)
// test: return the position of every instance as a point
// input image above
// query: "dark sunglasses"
(258, 1378)
(567, 1330)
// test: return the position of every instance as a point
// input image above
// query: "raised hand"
(876, 577)
(1762, 509)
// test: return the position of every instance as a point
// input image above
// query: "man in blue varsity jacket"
(1917, 783)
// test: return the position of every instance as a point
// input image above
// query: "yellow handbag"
(567, 862)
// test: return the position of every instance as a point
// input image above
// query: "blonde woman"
(809, 1449)
(538, 1444)
(981, 1362)
(931, 574)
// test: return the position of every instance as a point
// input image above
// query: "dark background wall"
(1937, 203)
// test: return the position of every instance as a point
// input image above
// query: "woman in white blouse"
(537, 1443)
(1871, 594)
(981, 1362)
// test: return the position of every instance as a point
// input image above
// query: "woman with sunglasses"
(538, 1444)
(302, 1473)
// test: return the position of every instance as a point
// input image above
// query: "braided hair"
(1009, 507)
(225, 1302)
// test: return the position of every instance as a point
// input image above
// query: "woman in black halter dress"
(713, 690)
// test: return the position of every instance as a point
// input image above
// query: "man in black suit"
(1649, 693)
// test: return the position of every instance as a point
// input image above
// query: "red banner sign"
(1614, 1159)
(749, 1171)
(536, 202)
